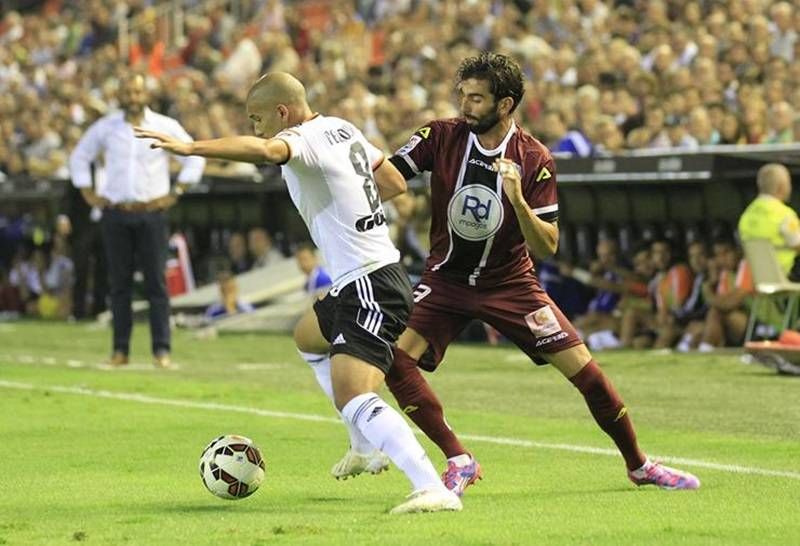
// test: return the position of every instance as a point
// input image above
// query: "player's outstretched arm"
(248, 149)
(389, 180)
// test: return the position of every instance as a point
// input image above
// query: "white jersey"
(329, 176)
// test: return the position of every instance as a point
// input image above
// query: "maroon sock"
(609, 411)
(418, 401)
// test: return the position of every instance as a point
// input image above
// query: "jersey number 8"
(360, 161)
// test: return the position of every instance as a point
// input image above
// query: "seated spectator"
(669, 288)
(43, 152)
(603, 275)
(404, 212)
(148, 53)
(564, 139)
(58, 278)
(617, 288)
(700, 127)
(781, 123)
(10, 301)
(259, 245)
(317, 279)
(608, 139)
(229, 303)
(677, 133)
(727, 291)
(237, 254)
(690, 318)
(24, 278)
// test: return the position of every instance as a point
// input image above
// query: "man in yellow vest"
(769, 217)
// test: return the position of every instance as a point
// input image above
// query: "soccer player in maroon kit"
(493, 191)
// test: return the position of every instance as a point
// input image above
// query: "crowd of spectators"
(602, 76)
(693, 296)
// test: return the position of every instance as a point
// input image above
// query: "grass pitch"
(110, 456)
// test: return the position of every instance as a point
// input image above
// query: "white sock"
(610, 341)
(321, 364)
(460, 460)
(705, 347)
(388, 431)
(641, 472)
(595, 341)
(683, 345)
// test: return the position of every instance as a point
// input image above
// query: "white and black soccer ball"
(232, 467)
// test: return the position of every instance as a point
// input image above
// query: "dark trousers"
(89, 258)
(132, 238)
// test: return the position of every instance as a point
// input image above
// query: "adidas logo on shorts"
(339, 340)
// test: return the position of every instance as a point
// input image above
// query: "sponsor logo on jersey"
(481, 163)
(410, 145)
(366, 223)
(420, 292)
(551, 339)
(475, 212)
(543, 323)
(544, 174)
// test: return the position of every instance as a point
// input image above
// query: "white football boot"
(435, 499)
(354, 463)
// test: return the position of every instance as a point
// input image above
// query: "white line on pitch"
(259, 366)
(145, 399)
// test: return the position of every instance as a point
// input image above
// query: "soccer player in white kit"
(337, 180)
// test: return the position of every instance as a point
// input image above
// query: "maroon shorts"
(519, 309)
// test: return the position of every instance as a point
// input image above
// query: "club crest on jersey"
(475, 212)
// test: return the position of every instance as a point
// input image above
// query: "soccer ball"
(232, 467)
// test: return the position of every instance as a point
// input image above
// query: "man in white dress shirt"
(337, 180)
(134, 197)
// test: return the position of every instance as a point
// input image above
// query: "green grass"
(100, 470)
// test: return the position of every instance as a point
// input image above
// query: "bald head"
(774, 179)
(277, 100)
(276, 88)
(133, 95)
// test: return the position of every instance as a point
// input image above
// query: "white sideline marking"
(136, 367)
(51, 361)
(145, 399)
(249, 367)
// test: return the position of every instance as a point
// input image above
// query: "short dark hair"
(724, 240)
(502, 73)
(305, 245)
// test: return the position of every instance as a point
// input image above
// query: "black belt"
(133, 206)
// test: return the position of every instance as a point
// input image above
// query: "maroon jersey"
(475, 236)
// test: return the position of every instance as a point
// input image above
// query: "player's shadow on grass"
(328, 499)
(549, 494)
(767, 373)
(222, 506)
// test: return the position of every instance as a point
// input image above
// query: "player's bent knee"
(307, 335)
(412, 343)
(570, 361)
(352, 377)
